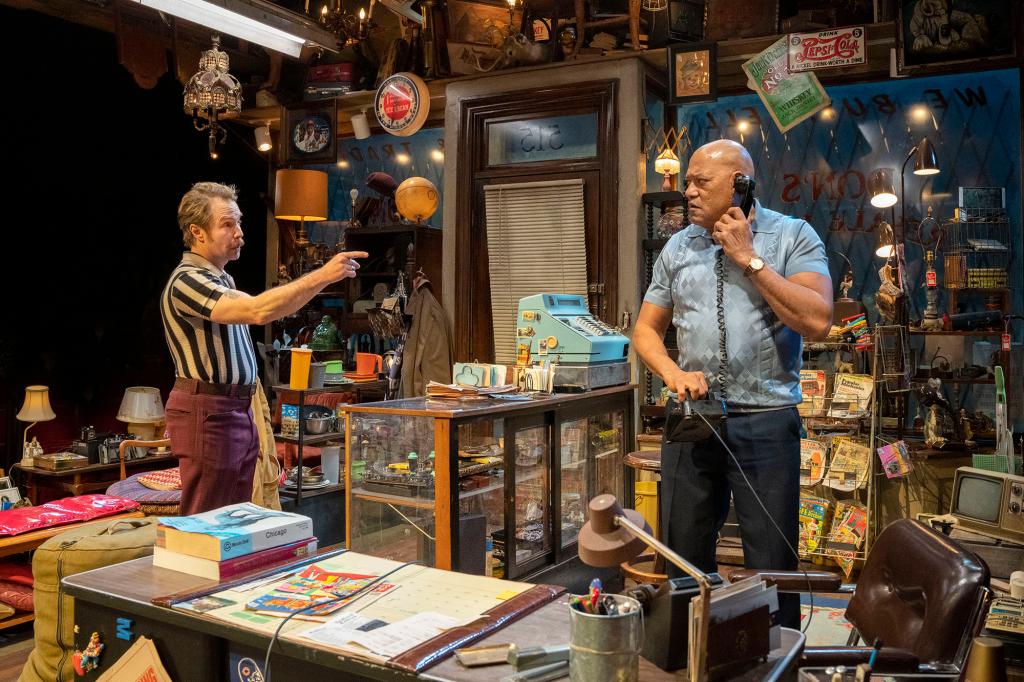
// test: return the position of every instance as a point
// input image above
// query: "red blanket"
(60, 512)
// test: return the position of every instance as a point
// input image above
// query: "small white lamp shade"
(141, 405)
(667, 162)
(883, 194)
(263, 142)
(360, 126)
(36, 407)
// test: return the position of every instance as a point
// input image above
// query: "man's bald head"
(728, 153)
(709, 179)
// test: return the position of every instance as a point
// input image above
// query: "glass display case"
(495, 487)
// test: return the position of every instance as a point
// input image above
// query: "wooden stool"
(648, 567)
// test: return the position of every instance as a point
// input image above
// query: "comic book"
(813, 513)
(895, 458)
(812, 461)
(849, 526)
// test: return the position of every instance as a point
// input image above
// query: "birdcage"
(977, 249)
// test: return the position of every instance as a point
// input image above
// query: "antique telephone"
(694, 420)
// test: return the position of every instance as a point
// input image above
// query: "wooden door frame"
(474, 113)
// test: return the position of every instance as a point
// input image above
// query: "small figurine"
(933, 428)
(965, 428)
(85, 661)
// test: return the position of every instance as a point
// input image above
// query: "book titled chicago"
(229, 568)
(232, 531)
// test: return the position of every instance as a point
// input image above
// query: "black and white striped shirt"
(201, 348)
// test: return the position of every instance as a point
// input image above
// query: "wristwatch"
(755, 265)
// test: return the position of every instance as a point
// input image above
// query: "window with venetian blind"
(535, 244)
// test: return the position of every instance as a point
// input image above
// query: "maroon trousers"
(215, 440)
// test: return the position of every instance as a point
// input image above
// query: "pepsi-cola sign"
(826, 49)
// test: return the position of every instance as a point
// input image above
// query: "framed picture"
(310, 132)
(9, 497)
(691, 73)
(933, 32)
(482, 23)
(974, 197)
(686, 20)
(6, 482)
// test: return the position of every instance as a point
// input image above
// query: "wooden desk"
(199, 649)
(26, 542)
(44, 485)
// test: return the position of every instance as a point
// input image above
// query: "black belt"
(207, 388)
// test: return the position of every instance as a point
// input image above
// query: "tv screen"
(979, 498)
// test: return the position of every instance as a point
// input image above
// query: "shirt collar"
(193, 258)
(765, 225)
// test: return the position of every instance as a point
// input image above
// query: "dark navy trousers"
(697, 479)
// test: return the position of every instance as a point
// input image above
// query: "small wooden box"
(59, 461)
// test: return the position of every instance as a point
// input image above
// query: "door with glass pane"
(528, 457)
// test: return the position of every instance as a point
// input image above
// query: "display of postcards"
(846, 537)
(848, 465)
(895, 459)
(812, 461)
(813, 513)
(289, 420)
(813, 383)
(851, 395)
(313, 585)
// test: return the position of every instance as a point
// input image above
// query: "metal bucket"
(606, 648)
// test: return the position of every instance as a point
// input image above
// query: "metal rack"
(977, 249)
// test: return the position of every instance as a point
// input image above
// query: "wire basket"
(895, 354)
(977, 249)
(993, 463)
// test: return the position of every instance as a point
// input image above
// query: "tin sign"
(826, 49)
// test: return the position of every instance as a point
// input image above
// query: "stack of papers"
(458, 392)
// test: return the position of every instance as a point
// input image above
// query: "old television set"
(990, 503)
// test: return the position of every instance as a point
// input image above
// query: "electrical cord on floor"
(810, 590)
(355, 595)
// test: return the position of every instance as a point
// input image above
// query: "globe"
(416, 199)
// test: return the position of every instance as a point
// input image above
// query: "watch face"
(401, 104)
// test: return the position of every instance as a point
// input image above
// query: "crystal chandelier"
(213, 93)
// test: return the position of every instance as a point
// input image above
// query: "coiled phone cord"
(723, 349)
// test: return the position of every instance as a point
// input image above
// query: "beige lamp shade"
(667, 162)
(416, 199)
(141, 405)
(36, 407)
(300, 195)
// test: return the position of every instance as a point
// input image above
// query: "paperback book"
(229, 568)
(232, 531)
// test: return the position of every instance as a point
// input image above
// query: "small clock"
(402, 104)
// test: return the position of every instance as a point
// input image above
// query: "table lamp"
(667, 164)
(36, 408)
(300, 195)
(143, 409)
(613, 535)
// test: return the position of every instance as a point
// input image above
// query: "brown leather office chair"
(923, 595)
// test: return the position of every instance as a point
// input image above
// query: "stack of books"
(232, 540)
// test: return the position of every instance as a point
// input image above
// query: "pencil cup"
(606, 647)
(299, 379)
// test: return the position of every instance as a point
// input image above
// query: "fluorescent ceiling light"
(258, 22)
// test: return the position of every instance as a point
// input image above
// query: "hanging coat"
(428, 353)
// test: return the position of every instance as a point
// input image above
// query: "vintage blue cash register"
(560, 329)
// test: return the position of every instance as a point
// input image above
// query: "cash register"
(559, 329)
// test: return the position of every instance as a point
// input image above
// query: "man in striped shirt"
(209, 420)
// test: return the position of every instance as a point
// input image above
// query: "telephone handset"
(743, 193)
(690, 420)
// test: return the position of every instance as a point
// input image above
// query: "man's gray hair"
(194, 208)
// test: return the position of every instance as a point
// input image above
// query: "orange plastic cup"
(299, 380)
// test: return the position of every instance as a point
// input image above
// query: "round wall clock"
(402, 103)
